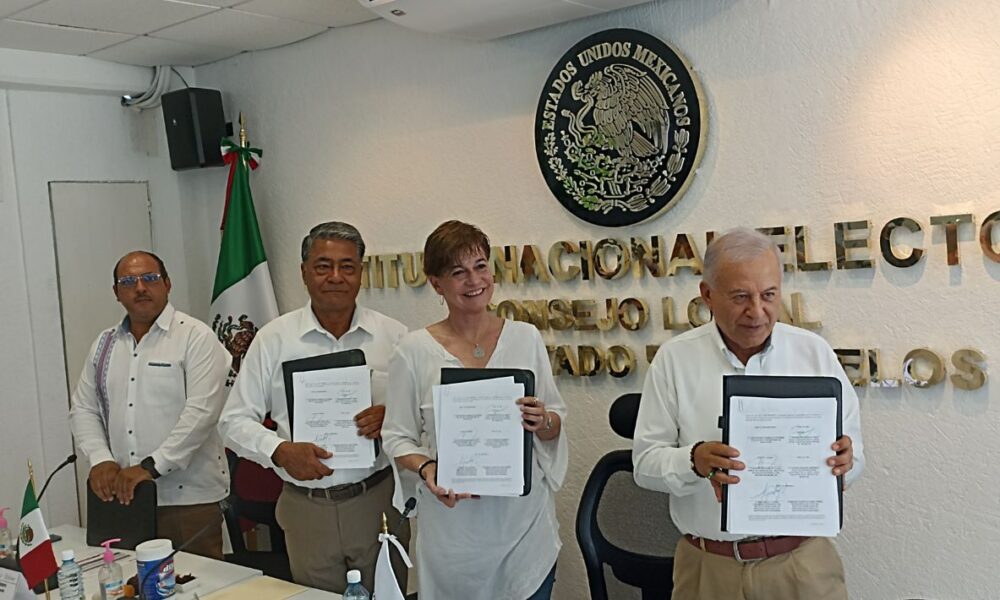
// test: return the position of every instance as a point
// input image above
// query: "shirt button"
(130, 405)
(132, 453)
(130, 432)
(136, 355)
(180, 487)
(133, 379)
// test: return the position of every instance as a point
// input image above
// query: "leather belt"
(749, 550)
(343, 491)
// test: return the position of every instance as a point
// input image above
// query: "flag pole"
(244, 140)
(31, 477)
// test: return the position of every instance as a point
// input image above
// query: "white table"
(212, 575)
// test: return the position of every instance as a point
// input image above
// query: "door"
(94, 224)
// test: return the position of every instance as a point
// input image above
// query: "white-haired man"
(675, 448)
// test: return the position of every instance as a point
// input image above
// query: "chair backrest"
(622, 526)
(253, 497)
(623, 413)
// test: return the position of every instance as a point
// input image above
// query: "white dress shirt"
(164, 397)
(489, 548)
(682, 402)
(259, 389)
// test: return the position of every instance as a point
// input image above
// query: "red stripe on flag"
(230, 159)
(39, 563)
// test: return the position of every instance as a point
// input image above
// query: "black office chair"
(622, 526)
(243, 506)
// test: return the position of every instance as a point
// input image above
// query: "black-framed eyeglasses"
(130, 280)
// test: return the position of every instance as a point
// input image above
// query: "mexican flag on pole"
(243, 297)
(35, 548)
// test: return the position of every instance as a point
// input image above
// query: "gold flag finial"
(243, 132)
(385, 525)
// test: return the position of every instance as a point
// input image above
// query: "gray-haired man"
(331, 518)
(675, 448)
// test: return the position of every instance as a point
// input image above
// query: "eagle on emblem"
(629, 112)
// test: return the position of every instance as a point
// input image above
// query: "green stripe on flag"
(30, 502)
(241, 249)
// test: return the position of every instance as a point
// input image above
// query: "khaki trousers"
(812, 571)
(327, 538)
(180, 523)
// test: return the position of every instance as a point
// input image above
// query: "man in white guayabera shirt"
(675, 448)
(331, 518)
(147, 405)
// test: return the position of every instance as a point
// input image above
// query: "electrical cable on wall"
(157, 87)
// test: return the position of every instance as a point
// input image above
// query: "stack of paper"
(480, 440)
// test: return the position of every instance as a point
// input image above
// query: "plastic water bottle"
(70, 578)
(355, 591)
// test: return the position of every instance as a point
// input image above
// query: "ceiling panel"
(123, 16)
(221, 3)
(331, 14)
(178, 32)
(9, 7)
(150, 51)
(55, 38)
(240, 30)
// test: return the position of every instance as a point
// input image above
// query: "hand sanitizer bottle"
(110, 577)
(6, 541)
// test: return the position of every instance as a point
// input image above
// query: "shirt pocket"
(164, 385)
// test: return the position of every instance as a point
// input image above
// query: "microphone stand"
(69, 460)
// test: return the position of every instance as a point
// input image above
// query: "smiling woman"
(522, 533)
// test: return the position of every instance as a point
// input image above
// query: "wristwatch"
(149, 465)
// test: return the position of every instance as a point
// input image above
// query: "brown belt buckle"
(736, 551)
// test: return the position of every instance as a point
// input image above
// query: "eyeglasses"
(130, 280)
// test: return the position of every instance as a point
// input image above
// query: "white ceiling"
(168, 32)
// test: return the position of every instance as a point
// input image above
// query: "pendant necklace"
(477, 350)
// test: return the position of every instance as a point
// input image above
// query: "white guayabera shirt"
(164, 396)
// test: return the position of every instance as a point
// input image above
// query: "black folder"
(334, 360)
(522, 376)
(775, 386)
(134, 524)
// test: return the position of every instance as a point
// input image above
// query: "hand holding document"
(326, 401)
(787, 487)
(480, 440)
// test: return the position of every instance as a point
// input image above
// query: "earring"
(442, 300)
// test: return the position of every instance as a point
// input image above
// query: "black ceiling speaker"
(195, 127)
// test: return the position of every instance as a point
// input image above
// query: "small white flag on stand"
(386, 586)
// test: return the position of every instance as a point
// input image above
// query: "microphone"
(140, 593)
(69, 460)
(411, 503)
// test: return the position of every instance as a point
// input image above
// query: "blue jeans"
(544, 591)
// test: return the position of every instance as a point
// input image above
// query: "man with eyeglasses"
(330, 516)
(147, 405)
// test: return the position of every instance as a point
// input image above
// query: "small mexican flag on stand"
(38, 562)
(243, 297)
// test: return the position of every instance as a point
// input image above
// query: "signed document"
(326, 402)
(787, 488)
(480, 440)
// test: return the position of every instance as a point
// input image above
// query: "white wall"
(819, 112)
(60, 120)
